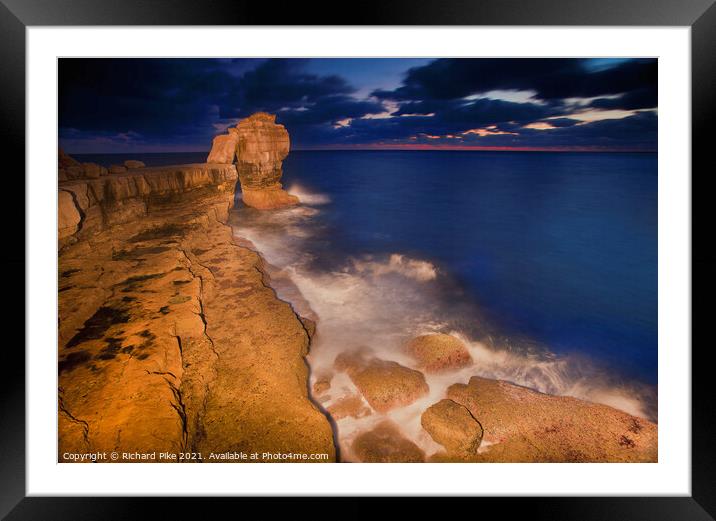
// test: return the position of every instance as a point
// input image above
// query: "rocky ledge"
(170, 336)
(87, 206)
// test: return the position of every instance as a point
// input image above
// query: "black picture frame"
(17, 15)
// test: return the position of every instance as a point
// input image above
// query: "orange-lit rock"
(68, 216)
(117, 169)
(223, 148)
(262, 147)
(438, 352)
(385, 385)
(452, 426)
(522, 425)
(69, 168)
(133, 163)
(386, 444)
(170, 336)
(129, 195)
(351, 405)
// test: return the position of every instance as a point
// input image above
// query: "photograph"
(357, 260)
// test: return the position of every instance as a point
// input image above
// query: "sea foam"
(376, 302)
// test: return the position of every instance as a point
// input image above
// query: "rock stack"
(259, 146)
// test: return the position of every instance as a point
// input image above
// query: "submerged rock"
(452, 426)
(322, 383)
(351, 405)
(522, 425)
(438, 352)
(386, 444)
(385, 385)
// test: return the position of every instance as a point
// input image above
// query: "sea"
(543, 263)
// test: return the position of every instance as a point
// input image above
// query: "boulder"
(223, 148)
(268, 198)
(452, 426)
(386, 444)
(117, 169)
(385, 385)
(438, 352)
(351, 405)
(133, 163)
(262, 147)
(348, 362)
(523, 425)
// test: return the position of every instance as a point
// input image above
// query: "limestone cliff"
(87, 206)
(170, 336)
(259, 146)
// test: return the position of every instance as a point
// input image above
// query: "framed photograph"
(443, 251)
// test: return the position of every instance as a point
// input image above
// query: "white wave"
(307, 197)
(411, 268)
(375, 303)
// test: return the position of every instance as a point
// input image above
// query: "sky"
(127, 105)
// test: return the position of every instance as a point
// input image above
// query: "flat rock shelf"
(170, 336)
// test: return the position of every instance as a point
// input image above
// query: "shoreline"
(223, 367)
(170, 338)
(353, 416)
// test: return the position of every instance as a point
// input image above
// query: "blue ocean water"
(560, 248)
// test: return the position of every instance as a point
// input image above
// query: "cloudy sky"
(162, 105)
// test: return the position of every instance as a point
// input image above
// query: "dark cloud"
(643, 98)
(191, 100)
(154, 98)
(285, 83)
(183, 103)
(552, 78)
(283, 87)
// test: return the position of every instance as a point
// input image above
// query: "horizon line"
(410, 148)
